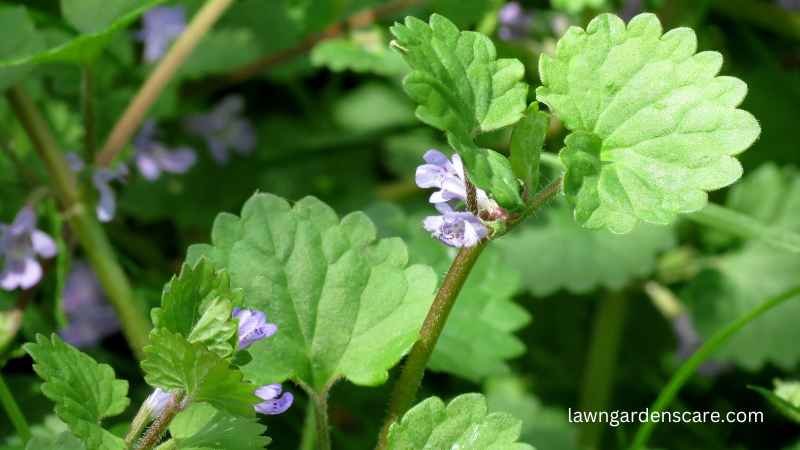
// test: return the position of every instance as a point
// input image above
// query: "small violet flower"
(102, 179)
(454, 228)
(157, 402)
(253, 326)
(20, 243)
(273, 402)
(90, 316)
(160, 27)
(224, 128)
(689, 341)
(514, 22)
(152, 157)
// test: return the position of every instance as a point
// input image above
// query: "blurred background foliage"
(332, 121)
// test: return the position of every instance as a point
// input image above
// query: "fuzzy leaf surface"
(198, 303)
(201, 427)
(84, 391)
(462, 88)
(346, 305)
(464, 423)
(654, 127)
(173, 363)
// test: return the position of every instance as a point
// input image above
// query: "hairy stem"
(405, 388)
(158, 80)
(135, 324)
(87, 107)
(689, 367)
(153, 434)
(308, 438)
(320, 405)
(13, 412)
(138, 424)
(598, 377)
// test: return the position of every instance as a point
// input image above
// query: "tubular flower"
(160, 27)
(152, 157)
(224, 128)
(253, 326)
(20, 244)
(91, 317)
(273, 402)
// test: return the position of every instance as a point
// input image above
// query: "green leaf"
(744, 276)
(543, 427)
(201, 426)
(62, 441)
(18, 37)
(478, 339)
(464, 424)
(462, 88)
(527, 141)
(84, 391)
(785, 398)
(653, 127)
(173, 363)
(345, 304)
(559, 254)
(82, 49)
(361, 52)
(198, 304)
(91, 16)
(576, 6)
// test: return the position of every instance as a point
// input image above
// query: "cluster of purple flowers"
(454, 228)
(21, 243)
(253, 327)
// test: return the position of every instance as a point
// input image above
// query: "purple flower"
(253, 326)
(455, 228)
(224, 128)
(152, 157)
(157, 402)
(160, 26)
(101, 179)
(90, 316)
(20, 243)
(514, 22)
(274, 403)
(689, 341)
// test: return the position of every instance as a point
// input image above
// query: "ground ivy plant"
(288, 298)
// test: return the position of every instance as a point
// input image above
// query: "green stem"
(87, 105)
(598, 381)
(138, 424)
(161, 76)
(135, 324)
(308, 439)
(13, 412)
(320, 406)
(702, 354)
(153, 434)
(405, 388)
